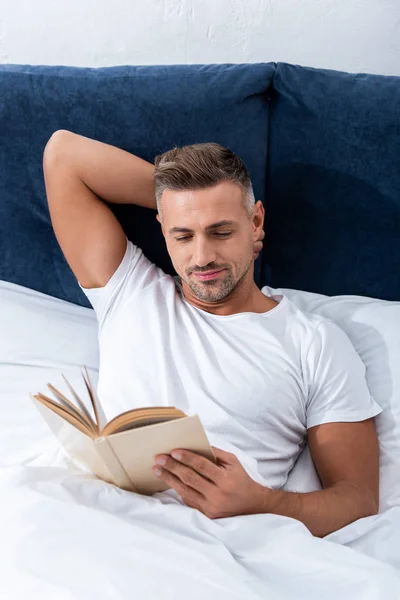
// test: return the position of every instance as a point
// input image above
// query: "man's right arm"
(81, 176)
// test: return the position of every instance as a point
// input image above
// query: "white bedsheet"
(65, 535)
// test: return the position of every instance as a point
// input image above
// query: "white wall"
(351, 35)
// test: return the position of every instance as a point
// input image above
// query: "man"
(258, 371)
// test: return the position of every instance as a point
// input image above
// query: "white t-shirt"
(257, 381)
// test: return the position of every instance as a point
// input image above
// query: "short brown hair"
(199, 166)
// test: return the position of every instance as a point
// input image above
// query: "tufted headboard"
(323, 149)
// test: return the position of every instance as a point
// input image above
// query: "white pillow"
(41, 338)
(373, 326)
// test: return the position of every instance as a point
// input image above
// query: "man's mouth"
(207, 275)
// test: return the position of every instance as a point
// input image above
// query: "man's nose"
(204, 253)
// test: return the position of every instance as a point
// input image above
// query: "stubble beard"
(216, 291)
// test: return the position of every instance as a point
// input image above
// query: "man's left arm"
(341, 436)
(346, 456)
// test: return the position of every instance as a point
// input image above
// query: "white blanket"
(65, 535)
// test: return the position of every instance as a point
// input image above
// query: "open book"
(123, 451)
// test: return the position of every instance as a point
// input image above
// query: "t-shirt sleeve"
(338, 390)
(133, 275)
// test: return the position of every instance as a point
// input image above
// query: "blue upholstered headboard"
(333, 197)
(323, 149)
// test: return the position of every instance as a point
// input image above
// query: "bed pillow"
(333, 201)
(41, 337)
(373, 326)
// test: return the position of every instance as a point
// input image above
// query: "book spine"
(113, 464)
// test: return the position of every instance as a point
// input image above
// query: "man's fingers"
(223, 456)
(197, 463)
(188, 494)
(258, 245)
(187, 473)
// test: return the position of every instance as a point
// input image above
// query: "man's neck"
(246, 297)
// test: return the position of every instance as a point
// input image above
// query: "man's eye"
(220, 234)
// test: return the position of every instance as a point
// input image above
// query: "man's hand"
(258, 245)
(346, 457)
(217, 490)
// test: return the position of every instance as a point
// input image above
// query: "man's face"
(210, 237)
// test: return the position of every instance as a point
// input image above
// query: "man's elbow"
(374, 507)
(370, 502)
(364, 500)
(57, 147)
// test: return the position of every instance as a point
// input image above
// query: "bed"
(67, 535)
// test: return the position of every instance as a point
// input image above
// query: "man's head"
(209, 217)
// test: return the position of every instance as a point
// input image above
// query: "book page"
(76, 414)
(75, 442)
(80, 404)
(92, 395)
(140, 417)
(67, 406)
(72, 417)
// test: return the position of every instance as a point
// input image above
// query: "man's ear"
(162, 226)
(258, 219)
